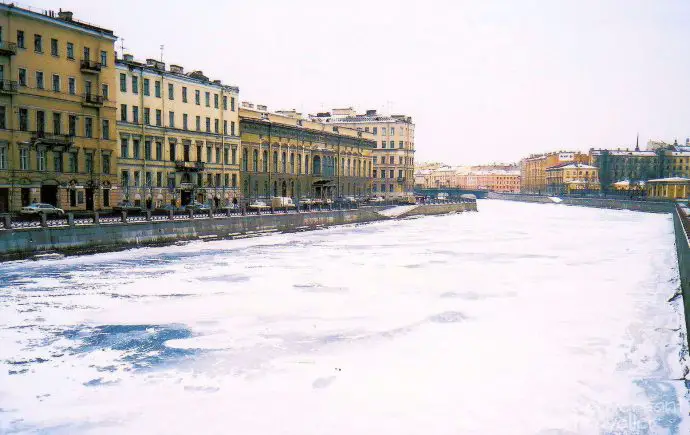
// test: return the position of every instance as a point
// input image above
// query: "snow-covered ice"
(519, 319)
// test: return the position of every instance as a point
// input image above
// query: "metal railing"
(90, 65)
(9, 86)
(93, 99)
(7, 47)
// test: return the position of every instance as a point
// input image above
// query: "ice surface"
(519, 319)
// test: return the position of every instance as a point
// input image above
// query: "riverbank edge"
(17, 244)
(609, 203)
(683, 254)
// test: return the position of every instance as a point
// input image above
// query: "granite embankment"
(612, 203)
(90, 237)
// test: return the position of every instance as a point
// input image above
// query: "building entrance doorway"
(89, 198)
(26, 196)
(4, 200)
(49, 195)
(186, 197)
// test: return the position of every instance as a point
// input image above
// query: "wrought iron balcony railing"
(90, 66)
(184, 166)
(9, 86)
(8, 48)
(92, 100)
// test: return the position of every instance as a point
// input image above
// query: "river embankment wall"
(610, 203)
(18, 243)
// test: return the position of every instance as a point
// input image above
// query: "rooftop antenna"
(122, 46)
(162, 48)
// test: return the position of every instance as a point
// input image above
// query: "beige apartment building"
(533, 168)
(57, 111)
(284, 154)
(178, 135)
(395, 147)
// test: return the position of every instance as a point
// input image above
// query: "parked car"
(127, 206)
(38, 208)
(282, 202)
(198, 206)
(346, 200)
(306, 201)
(258, 205)
(375, 200)
(229, 206)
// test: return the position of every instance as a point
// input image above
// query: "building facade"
(533, 168)
(568, 178)
(284, 154)
(620, 165)
(178, 134)
(395, 147)
(57, 111)
(494, 180)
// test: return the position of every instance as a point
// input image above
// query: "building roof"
(350, 117)
(571, 165)
(624, 152)
(61, 18)
(670, 180)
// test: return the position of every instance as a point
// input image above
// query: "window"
(391, 159)
(172, 152)
(216, 125)
(215, 101)
(225, 102)
(232, 128)
(104, 60)
(54, 47)
(392, 144)
(135, 84)
(147, 179)
(23, 119)
(105, 91)
(124, 175)
(207, 99)
(159, 117)
(171, 121)
(88, 127)
(184, 121)
(22, 77)
(184, 94)
(171, 91)
(135, 114)
(123, 82)
(70, 50)
(57, 161)
(87, 53)
(225, 127)
(208, 124)
(24, 159)
(234, 156)
(147, 150)
(234, 180)
(72, 162)
(3, 118)
(232, 103)
(20, 39)
(106, 163)
(72, 125)
(106, 129)
(3, 157)
(157, 88)
(56, 83)
(39, 79)
(400, 173)
(198, 123)
(136, 178)
(87, 87)
(38, 43)
(57, 123)
(159, 179)
(209, 154)
(218, 155)
(400, 160)
(40, 121)
(159, 150)
(383, 131)
(400, 144)
(41, 160)
(392, 173)
(226, 156)
(124, 148)
(147, 116)
(197, 97)
(136, 151)
(147, 87)
(72, 85)
(123, 112)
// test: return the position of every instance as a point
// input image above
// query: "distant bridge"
(453, 192)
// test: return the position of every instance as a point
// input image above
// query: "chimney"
(371, 112)
(128, 57)
(177, 69)
(65, 15)
(262, 107)
(151, 62)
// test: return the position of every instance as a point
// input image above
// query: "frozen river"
(519, 319)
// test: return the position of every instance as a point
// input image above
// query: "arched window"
(275, 161)
(264, 163)
(284, 162)
(316, 167)
(255, 162)
(245, 159)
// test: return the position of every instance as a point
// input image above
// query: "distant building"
(568, 178)
(465, 177)
(668, 188)
(394, 153)
(533, 168)
(624, 165)
(284, 154)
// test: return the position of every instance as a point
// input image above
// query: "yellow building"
(668, 188)
(569, 178)
(178, 135)
(57, 111)
(533, 168)
(394, 153)
(284, 154)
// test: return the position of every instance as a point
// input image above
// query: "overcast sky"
(484, 80)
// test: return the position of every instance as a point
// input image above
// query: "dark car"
(127, 206)
(197, 206)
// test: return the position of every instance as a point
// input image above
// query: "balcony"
(8, 87)
(90, 66)
(92, 100)
(182, 166)
(52, 140)
(8, 48)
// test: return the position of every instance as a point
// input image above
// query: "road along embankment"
(98, 236)
(611, 203)
(681, 226)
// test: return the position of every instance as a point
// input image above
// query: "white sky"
(484, 80)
